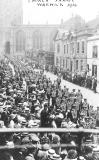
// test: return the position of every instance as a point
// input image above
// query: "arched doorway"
(7, 47)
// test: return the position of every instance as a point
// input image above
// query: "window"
(71, 66)
(66, 63)
(64, 49)
(88, 67)
(83, 46)
(81, 65)
(67, 48)
(94, 70)
(72, 47)
(95, 51)
(60, 61)
(57, 61)
(78, 45)
(58, 48)
(76, 64)
(63, 63)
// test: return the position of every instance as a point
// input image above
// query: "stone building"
(93, 57)
(71, 50)
(24, 38)
(17, 38)
(71, 45)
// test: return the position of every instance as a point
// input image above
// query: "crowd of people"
(28, 99)
(83, 79)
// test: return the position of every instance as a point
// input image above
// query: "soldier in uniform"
(45, 116)
(85, 105)
(53, 95)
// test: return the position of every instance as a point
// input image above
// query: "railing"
(79, 131)
(46, 130)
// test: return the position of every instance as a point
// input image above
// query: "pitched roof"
(74, 23)
(93, 23)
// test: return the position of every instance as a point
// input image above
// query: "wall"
(93, 61)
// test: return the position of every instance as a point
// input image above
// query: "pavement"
(92, 98)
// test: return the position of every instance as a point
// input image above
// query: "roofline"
(37, 25)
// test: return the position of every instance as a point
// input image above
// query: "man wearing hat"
(34, 101)
(64, 154)
(73, 93)
(50, 153)
(37, 112)
(45, 116)
(53, 95)
(56, 157)
(56, 141)
(72, 154)
(85, 104)
(34, 140)
(79, 96)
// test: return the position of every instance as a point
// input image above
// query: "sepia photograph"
(49, 80)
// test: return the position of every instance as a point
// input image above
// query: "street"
(92, 98)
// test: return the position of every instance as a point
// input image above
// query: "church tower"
(11, 12)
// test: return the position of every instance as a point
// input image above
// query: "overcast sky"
(34, 14)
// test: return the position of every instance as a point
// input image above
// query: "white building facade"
(71, 50)
(93, 57)
(60, 57)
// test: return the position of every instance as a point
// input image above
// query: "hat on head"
(33, 124)
(34, 137)
(45, 102)
(60, 115)
(1, 103)
(64, 152)
(72, 154)
(12, 116)
(1, 99)
(34, 92)
(25, 104)
(27, 109)
(56, 139)
(37, 108)
(81, 158)
(50, 152)
(24, 122)
(24, 134)
(11, 90)
(34, 99)
(56, 157)
(46, 147)
(36, 104)
(1, 124)
(1, 110)
(25, 140)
